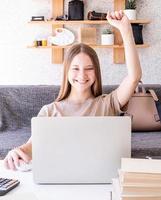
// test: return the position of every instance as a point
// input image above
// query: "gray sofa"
(18, 104)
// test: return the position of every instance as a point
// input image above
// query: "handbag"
(76, 10)
(92, 15)
(144, 108)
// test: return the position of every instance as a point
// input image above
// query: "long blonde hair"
(96, 88)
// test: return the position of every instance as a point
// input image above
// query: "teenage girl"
(81, 90)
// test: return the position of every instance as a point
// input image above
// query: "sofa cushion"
(18, 104)
(146, 144)
(12, 139)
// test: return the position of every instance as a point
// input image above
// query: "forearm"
(27, 148)
(131, 55)
(120, 21)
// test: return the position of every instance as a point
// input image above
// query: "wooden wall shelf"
(92, 45)
(58, 51)
(94, 22)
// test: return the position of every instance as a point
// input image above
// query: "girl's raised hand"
(119, 20)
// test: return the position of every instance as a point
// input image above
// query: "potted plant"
(107, 37)
(130, 9)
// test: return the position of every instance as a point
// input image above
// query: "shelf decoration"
(87, 35)
(58, 51)
(62, 37)
(130, 9)
(107, 37)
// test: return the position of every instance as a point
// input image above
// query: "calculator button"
(5, 181)
(2, 180)
(10, 184)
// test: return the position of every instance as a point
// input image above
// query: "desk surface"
(29, 190)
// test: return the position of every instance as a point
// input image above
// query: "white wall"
(20, 65)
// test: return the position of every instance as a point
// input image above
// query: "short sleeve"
(43, 112)
(111, 104)
(115, 103)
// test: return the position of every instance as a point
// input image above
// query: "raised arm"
(129, 83)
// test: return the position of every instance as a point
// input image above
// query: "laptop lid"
(79, 149)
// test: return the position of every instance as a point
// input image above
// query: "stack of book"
(139, 179)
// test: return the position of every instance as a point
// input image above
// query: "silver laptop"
(82, 150)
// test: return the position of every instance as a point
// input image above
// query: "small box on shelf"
(87, 35)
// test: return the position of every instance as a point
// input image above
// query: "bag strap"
(142, 87)
(158, 106)
(157, 102)
(152, 92)
(143, 90)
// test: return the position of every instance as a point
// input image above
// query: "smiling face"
(81, 74)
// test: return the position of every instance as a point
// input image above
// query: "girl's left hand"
(119, 20)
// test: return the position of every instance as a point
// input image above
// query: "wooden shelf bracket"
(118, 54)
(57, 10)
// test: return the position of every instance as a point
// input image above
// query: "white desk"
(27, 188)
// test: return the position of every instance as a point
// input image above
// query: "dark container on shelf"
(137, 32)
(76, 10)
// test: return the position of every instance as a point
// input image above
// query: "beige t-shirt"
(103, 105)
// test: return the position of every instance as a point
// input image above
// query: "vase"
(130, 13)
(107, 39)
